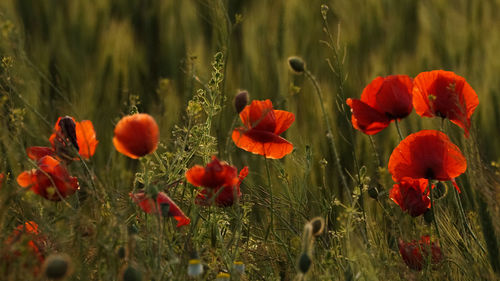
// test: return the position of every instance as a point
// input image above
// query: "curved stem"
(432, 210)
(399, 130)
(466, 223)
(271, 223)
(329, 129)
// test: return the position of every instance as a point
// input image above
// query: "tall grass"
(100, 59)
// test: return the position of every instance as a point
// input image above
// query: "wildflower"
(148, 205)
(136, 135)
(427, 154)
(51, 180)
(385, 99)
(239, 267)
(261, 130)
(68, 136)
(219, 179)
(222, 276)
(195, 268)
(411, 195)
(416, 253)
(26, 238)
(2, 177)
(445, 94)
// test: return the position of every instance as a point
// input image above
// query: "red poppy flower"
(445, 94)
(216, 174)
(225, 195)
(416, 253)
(136, 135)
(68, 135)
(2, 177)
(51, 180)
(262, 127)
(148, 205)
(411, 195)
(26, 238)
(427, 154)
(383, 100)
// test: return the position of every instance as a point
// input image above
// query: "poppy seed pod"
(304, 263)
(240, 101)
(297, 64)
(136, 135)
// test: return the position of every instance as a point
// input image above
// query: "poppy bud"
(304, 263)
(297, 64)
(240, 101)
(373, 192)
(428, 216)
(121, 252)
(57, 266)
(67, 125)
(318, 224)
(132, 274)
(440, 190)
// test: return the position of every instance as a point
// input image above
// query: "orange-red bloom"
(224, 196)
(2, 177)
(411, 195)
(216, 174)
(416, 253)
(262, 127)
(163, 203)
(445, 94)
(68, 136)
(51, 180)
(427, 154)
(26, 238)
(383, 100)
(136, 135)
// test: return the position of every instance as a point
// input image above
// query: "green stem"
(432, 210)
(466, 223)
(329, 130)
(271, 223)
(399, 130)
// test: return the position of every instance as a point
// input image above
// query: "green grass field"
(183, 62)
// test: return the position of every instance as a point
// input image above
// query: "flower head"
(445, 94)
(427, 154)
(224, 196)
(163, 202)
(136, 135)
(411, 195)
(69, 136)
(26, 238)
(416, 253)
(262, 126)
(51, 180)
(385, 99)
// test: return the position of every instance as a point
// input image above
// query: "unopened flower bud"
(297, 64)
(304, 263)
(318, 224)
(428, 216)
(439, 190)
(240, 101)
(373, 192)
(57, 266)
(132, 274)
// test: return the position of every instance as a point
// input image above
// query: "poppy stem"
(329, 130)
(271, 223)
(432, 210)
(466, 223)
(399, 129)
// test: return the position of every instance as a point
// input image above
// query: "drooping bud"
(297, 64)
(318, 224)
(304, 263)
(428, 216)
(131, 274)
(373, 192)
(57, 266)
(67, 125)
(240, 101)
(440, 190)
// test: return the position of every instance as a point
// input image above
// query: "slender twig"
(399, 129)
(432, 210)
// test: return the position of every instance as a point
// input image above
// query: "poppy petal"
(136, 135)
(25, 179)
(215, 174)
(395, 96)
(37, 152)
(367, 119)
(261, 142)
(284, 120)
(86, 138)
(259, 114)
(427, 154)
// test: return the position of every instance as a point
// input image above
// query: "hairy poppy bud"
(440, 190)
(132, 274)
(318, 224)
(373, 192)
(428, 216)
(240, 101)
(304, 263)
(297, 64)
(57, 266)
